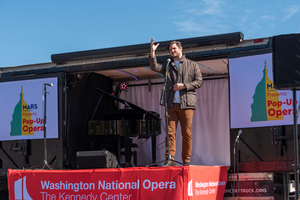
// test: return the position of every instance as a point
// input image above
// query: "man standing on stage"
(184, 76)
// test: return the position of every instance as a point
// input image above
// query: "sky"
(32, 30)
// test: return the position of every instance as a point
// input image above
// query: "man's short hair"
(178, 44)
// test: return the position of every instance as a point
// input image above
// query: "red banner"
(188, 182)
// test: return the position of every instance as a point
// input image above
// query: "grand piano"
(117, 129)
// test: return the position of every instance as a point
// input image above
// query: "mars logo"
(30, 107)
(20, 189)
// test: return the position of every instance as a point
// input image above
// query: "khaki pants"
(185, 116)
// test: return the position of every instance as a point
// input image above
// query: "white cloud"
(267, 18)
(189, 26)
(204, 7)
(243, 19)
(261, 21)
(205, 27)
(204, 17)
(201, 17)
(290, 11)
(213, 7)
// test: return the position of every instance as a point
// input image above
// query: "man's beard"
(175, 56)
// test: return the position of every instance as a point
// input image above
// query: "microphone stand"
(45, 127)
(166, 111)
(45, 164)
(163, 101)
(236, 146)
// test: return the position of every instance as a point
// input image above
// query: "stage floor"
(134, 183)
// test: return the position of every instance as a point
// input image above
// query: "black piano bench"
(133, 153)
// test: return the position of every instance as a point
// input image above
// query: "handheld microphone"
(168, 62)
(167, 66)
(49, 84)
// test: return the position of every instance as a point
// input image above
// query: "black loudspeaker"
(95, 159)
(286, 61)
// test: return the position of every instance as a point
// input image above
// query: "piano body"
(117, 129)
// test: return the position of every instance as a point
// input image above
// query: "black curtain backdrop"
(82, 99)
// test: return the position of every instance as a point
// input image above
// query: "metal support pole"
(296, 146)
(45, 126)
(166, 113)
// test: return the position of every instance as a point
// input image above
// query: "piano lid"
(124, 114)
(133, 106)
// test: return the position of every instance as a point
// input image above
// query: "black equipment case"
(95, 159)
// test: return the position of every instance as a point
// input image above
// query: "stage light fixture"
(123, 86)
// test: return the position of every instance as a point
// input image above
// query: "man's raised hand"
(153, 47)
